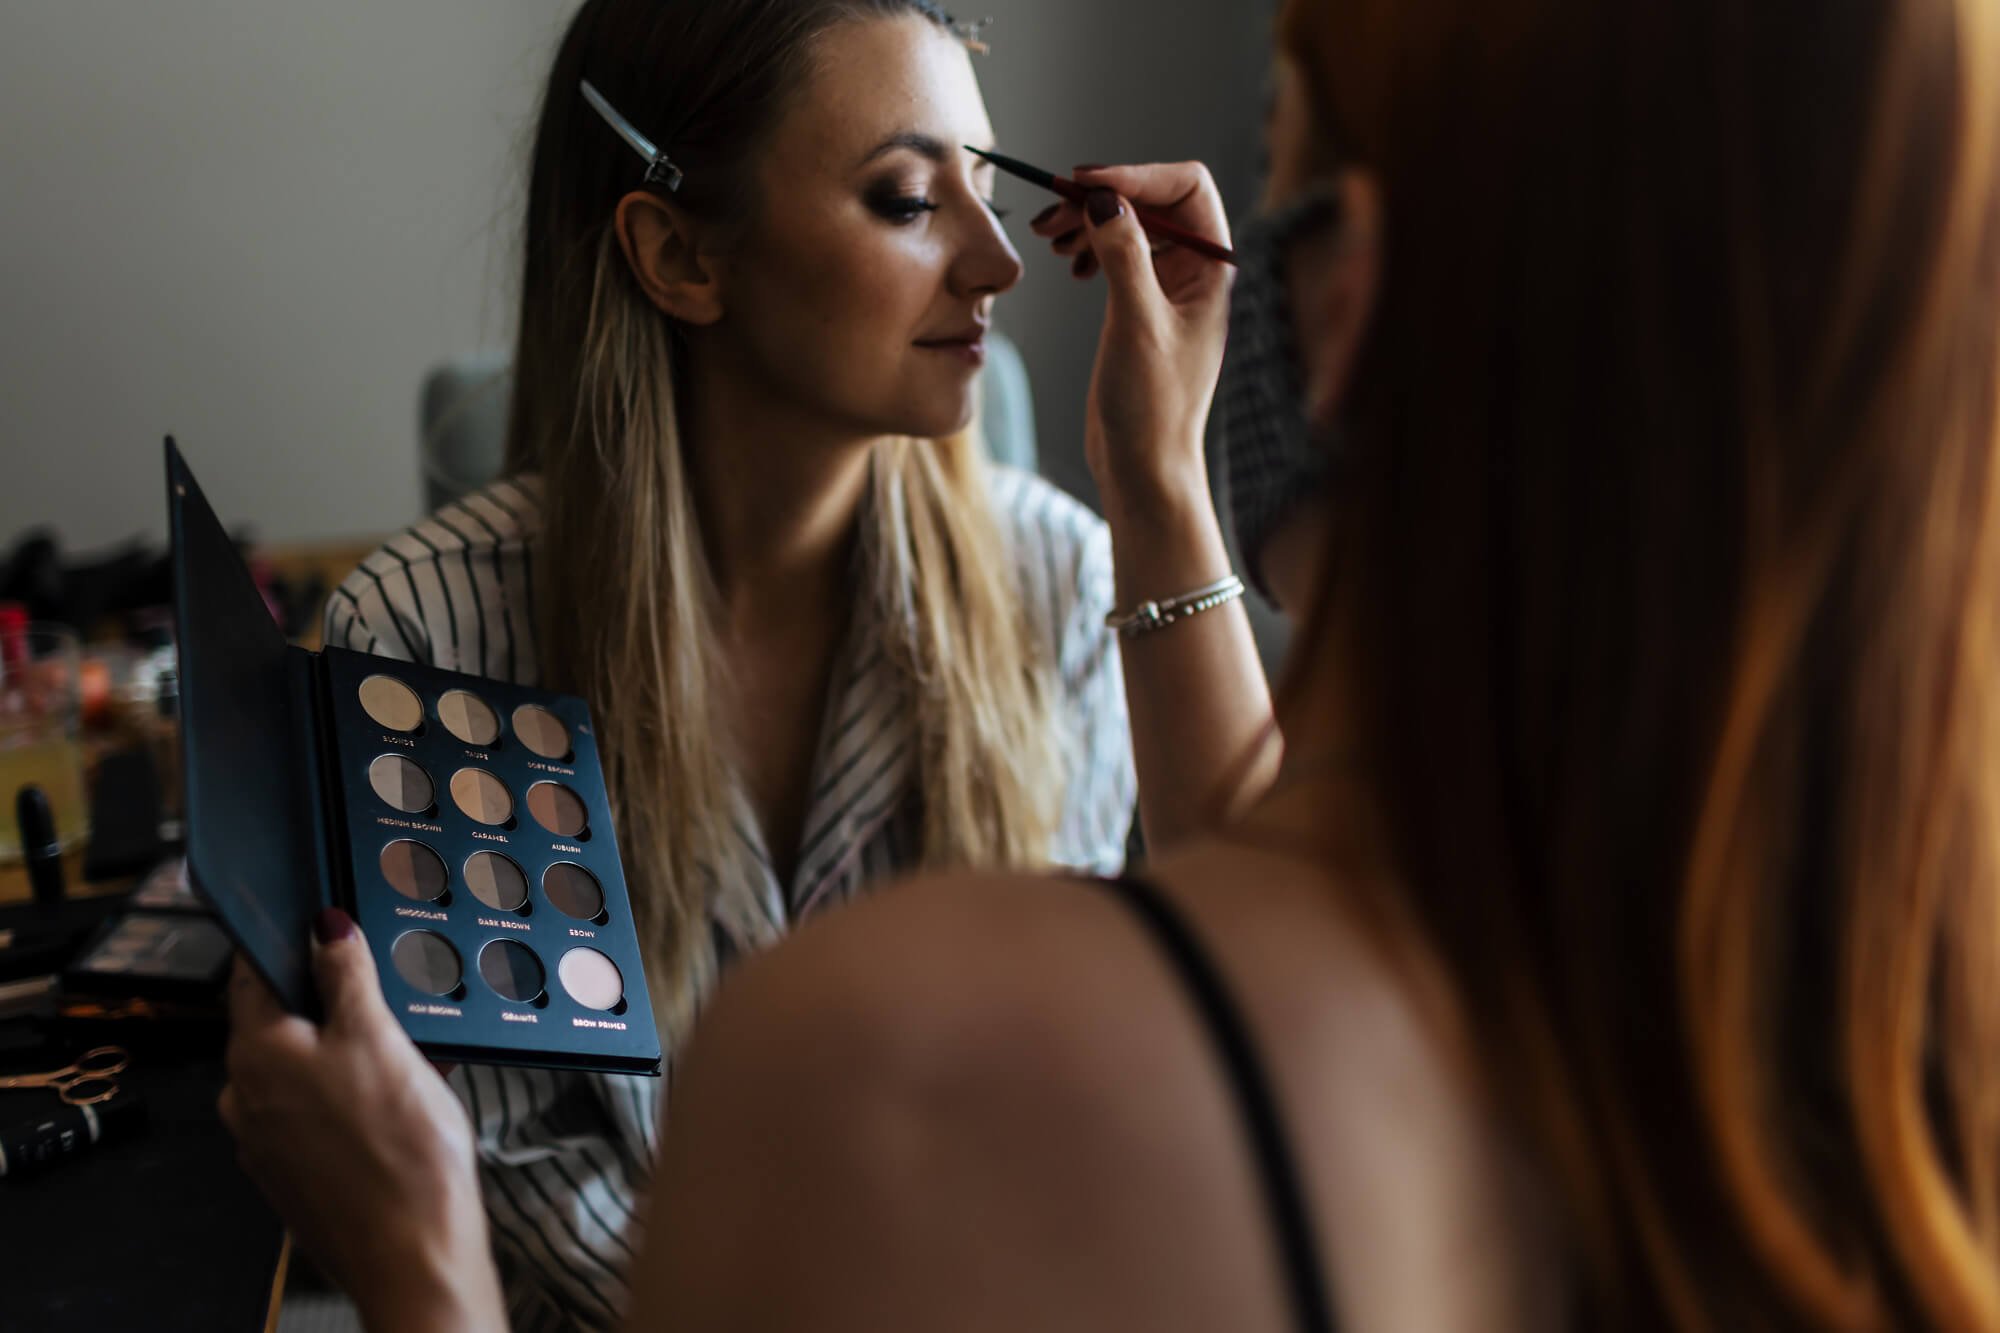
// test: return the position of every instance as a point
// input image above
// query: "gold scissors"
(84, 1083)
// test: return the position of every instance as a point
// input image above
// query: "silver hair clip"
(973, 34)
(660, 169)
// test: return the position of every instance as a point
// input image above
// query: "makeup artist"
(746, 518)
(1616, 946)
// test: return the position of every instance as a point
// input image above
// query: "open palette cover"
(462, 822)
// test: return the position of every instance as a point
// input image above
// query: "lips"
(971, 337)
(970, 344)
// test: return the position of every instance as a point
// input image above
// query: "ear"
(1334, 279)
(663, 247)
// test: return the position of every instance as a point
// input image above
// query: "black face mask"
(1274, 456)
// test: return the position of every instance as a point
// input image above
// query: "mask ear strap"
(660, 169)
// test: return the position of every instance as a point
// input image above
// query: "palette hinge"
(314, 742)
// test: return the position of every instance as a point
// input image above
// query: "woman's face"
(862, 286)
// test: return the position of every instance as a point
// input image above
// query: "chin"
(939, 420)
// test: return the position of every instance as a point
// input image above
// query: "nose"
(987, 263)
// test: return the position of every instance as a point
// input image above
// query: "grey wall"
(1113, 81)
(255, 224)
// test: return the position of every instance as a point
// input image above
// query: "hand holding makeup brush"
(1166, 316)
(1165, 320)
(359, 1145)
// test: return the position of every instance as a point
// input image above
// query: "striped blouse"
(565, 1157)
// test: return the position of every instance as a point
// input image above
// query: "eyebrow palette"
(462, 822)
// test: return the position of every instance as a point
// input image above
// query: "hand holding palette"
(462, 822)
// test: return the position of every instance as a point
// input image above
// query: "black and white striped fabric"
(565, 1157)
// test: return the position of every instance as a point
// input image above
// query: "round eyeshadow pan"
(512, 970)
(401, 783)
(541, 731)
(496, 881)
(557, 809)
(466, 716)
(573, 891)
(482, 796)
(392, 703)
(427, 961)
(591, 979)
(413, 870)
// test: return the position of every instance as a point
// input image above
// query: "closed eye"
(904, 209)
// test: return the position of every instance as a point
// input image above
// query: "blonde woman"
(823, 640)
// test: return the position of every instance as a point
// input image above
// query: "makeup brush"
(1155, 225)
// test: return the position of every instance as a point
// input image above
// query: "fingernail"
(332, 926)
(1103, 206)
(1081, 267)
(1045, 215)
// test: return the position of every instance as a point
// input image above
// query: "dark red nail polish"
(332, 926)
(1103, 206)
(1080, 268)
(1045, 215)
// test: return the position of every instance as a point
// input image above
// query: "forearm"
(557, 1187)
(464, 1301)
(1202, 733)
(439, 1280)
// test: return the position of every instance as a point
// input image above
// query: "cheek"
(1317, 300)
(832, 322)
(863, 284)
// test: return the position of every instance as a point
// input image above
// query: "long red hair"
(1675, 539)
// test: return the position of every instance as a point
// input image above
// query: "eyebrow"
(913, 141)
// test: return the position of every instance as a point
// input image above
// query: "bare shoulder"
(936, 983)
(949, 1106)
(1431, 1215)
(1012, 1093)
(964, 973)
(1048, 980)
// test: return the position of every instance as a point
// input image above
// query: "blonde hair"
(622, 569)
(1677, 549)
(623, 584)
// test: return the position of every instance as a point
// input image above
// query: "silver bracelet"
(1150, 616)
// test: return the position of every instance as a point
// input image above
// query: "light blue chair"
(462, 418)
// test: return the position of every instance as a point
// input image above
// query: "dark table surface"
(159, 1230)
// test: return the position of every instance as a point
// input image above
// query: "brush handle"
(1161, 229)
(1154, 225)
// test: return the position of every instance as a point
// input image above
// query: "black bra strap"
(1305, 1281)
